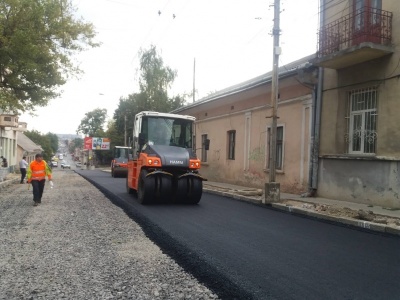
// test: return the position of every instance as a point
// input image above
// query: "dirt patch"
(345, 212)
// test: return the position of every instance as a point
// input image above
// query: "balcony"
(358, 37)
(7, 120)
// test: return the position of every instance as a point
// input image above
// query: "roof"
(164, 115)
(27, 144)
(286, 70)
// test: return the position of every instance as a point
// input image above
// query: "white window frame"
(368, 115)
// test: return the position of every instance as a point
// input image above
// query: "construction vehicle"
(119, 163)
(164, 166)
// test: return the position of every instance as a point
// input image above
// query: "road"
(246, 251)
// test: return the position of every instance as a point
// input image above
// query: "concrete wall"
(359, 181)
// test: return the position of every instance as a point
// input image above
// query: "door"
(367, 21)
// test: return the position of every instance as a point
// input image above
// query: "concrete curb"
(231, 195)
(8, 182)
(360, 224)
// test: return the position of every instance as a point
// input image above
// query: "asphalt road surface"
(246, 251)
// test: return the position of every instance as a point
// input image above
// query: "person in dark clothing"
(4, 162)
(22, 167)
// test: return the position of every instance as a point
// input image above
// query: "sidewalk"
(363, 216)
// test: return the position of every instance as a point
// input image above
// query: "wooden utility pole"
(125, 130)
(272, 189)
(194, 80)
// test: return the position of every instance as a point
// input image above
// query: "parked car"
(78, 164)
(54, 163)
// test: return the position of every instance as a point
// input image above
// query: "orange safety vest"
(38, 171)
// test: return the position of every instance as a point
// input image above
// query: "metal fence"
(364, 25)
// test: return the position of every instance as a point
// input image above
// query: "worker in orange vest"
(36, 174)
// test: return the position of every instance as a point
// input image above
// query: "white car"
(64, 165)
(54, 163)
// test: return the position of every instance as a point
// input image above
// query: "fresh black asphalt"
(246, 251)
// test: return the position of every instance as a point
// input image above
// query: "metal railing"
(364, 25)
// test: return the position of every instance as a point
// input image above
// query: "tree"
(155, 80)
(75, 143)
(43, 141)
(53, 139)
(117, 139)
(93, 122)
(38, 39)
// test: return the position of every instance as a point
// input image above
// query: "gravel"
(78, 245)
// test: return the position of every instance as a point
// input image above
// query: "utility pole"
(272, 188)
(125, 129)
(194, 79)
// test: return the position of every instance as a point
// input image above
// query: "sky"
(214, 43)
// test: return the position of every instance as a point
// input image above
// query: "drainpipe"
(313, 181)
(312, 142)
(316, 130)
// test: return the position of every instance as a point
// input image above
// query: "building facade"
(237, 122)
(359, 52)
(8, 139)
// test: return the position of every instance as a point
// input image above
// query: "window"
(279, 147)
(231, 144)
(203, 148)
(167, 131)
(362, 134)
(366, 12)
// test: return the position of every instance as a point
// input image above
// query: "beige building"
(237, 122)
(8, 139)
(360, 135)
(14, 144)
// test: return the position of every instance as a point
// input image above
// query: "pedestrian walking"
(36, 174)
(22, 167)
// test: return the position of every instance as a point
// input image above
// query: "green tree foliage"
(38, 39)
(104, 157)
(53, 138)
(75, 143)
(155, 80)
(93, 122)
(42, 140)
(117, 139)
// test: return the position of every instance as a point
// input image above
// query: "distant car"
(78, 164)
(54, 164)
(65, 166)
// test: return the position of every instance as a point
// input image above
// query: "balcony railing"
(364, 25)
